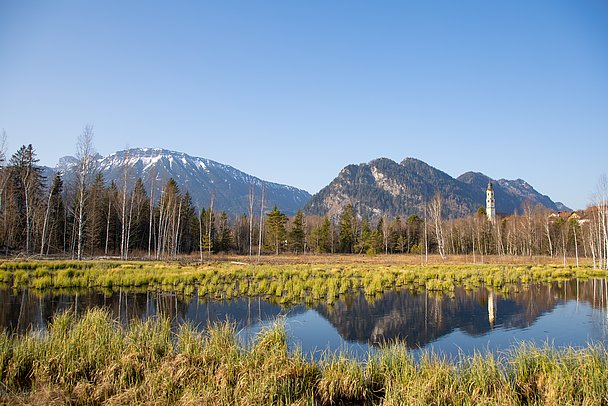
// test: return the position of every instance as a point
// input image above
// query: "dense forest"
(90, 218)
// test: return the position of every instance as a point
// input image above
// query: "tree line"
(89, 217)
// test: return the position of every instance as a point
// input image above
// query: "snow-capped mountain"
(199, 176)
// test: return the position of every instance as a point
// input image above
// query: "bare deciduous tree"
(251, 196)
(261, 224)
(599, 226)
(210, 221)
(151, 219)
(85, 155)
(126, 166)
(46, 218)
(435, 212)
(200, 230)
(3, 174)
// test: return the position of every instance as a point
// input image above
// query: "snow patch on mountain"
(200, 177)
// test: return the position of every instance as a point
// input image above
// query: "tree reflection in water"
(414, 317)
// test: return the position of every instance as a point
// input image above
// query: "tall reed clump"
(525, 375)
(572, 376)
(344, 380)
(430, 380)
(82, 360)
(214, 368)
(95, 360)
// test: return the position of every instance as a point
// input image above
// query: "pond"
(567, 313)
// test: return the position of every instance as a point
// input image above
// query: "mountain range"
(380, 187)
(200, 177)
(385, 187)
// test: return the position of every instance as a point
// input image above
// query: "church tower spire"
(490, 207)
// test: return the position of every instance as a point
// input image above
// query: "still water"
(573, 313)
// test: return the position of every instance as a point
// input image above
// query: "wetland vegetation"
(94, 360)
(286, 283)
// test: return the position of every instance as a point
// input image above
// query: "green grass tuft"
(94, 360)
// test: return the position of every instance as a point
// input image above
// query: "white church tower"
(490, 207)
(492, 308)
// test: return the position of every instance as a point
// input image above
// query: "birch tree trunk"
(152, 179)
(210, 222)
(548, 233)
(426, 240)
(161, 212)
(200, 231)
(28, 214)
(46, 220)
(108, 224)
(4, 177)
(123, 211)
(85, 155)
(251, 200)
(261, 224)
(129, 226)
(574, 224)
(177, 230)
(603, 215)
(436, 218)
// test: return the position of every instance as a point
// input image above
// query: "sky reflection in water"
(563, 314)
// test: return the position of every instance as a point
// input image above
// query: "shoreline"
(94, 360)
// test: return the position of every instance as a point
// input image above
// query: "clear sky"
(292, 91)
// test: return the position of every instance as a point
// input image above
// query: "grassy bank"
(94, 360)
(285, 283)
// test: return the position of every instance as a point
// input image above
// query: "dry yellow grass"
(94, 360)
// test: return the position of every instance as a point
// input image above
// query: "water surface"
(570, 313)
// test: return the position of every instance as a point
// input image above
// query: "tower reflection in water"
(574, 310)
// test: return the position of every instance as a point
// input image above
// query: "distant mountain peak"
(384, 187)
(382, 161)
(412, 159)
(201, 177)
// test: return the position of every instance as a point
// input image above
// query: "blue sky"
(294, 91)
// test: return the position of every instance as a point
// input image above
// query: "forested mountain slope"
(385, 187)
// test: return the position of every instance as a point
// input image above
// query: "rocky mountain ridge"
(200, 177)
(380, 187)
(385, 187)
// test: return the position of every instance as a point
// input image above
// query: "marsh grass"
(95, 360)
(284, 284)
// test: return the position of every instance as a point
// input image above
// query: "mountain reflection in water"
(416, 318)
